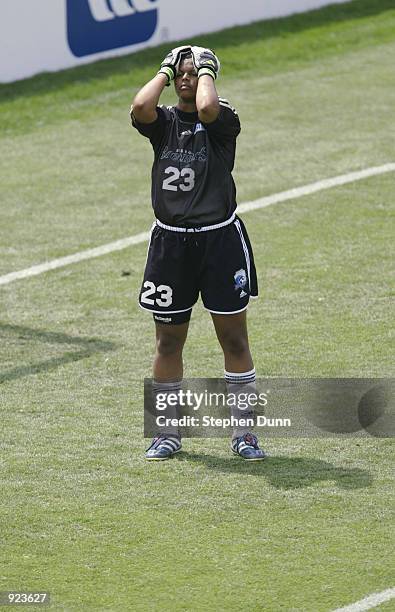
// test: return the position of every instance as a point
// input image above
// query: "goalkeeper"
(198, 244)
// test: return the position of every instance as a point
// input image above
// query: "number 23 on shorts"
(165, 292)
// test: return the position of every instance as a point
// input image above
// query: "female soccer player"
(198, 244)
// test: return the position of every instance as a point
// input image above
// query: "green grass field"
(82, 514)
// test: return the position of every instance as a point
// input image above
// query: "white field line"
(298, 192)
(369, 602)
(119, 245)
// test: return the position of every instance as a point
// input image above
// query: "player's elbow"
(143, 111)
(140, 105)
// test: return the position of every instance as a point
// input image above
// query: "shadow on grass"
(84, 347)
(285, 472)
(261, 30)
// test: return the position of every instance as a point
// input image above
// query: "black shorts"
(218, 264)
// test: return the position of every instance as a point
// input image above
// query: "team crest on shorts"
(240, 281)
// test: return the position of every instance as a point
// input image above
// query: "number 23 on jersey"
(186, 176)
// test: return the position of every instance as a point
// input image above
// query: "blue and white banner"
(94, 26)
(48, 35)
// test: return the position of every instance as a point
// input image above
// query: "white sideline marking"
(298, 192)
(119, 245)
(371, 601)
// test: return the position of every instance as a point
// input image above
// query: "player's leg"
(232, 334)
(168, 292)
(167, 374)
(170, 340)
(228, 284)
(231, 330)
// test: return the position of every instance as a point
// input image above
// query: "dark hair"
(185, 55)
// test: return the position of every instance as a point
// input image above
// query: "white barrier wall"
(48, 35)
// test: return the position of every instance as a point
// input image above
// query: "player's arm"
(145, 103)
(207, 102)
(146, 100)
(207, 66)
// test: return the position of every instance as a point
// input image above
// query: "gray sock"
(161, 391)
(240, 386)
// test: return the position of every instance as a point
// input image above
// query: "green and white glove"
(206, 62)
(170, 64)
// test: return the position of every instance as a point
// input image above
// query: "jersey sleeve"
(156, 130)
(227, 124)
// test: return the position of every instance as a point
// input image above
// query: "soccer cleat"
(163, 447)
(247, 447)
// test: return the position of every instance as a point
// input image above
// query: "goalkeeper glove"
(206, 62)
(170, 64)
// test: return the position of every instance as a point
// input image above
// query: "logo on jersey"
(100, 25)
(240, 281)
(199, 128)
(184, 155)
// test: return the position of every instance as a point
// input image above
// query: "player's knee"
(167, 345)
(235, 344)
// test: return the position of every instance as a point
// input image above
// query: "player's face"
(186, 81)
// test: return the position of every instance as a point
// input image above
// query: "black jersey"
(192, 183)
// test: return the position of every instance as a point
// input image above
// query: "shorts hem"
(229, 312)
(166, 312)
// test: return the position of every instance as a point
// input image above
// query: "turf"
(82, 514)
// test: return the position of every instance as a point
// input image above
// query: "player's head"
(186, 80)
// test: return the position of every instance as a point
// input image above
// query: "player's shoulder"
(168, 111)
(225, 104)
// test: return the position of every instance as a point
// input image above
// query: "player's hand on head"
(206, 62)
(171, 63)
